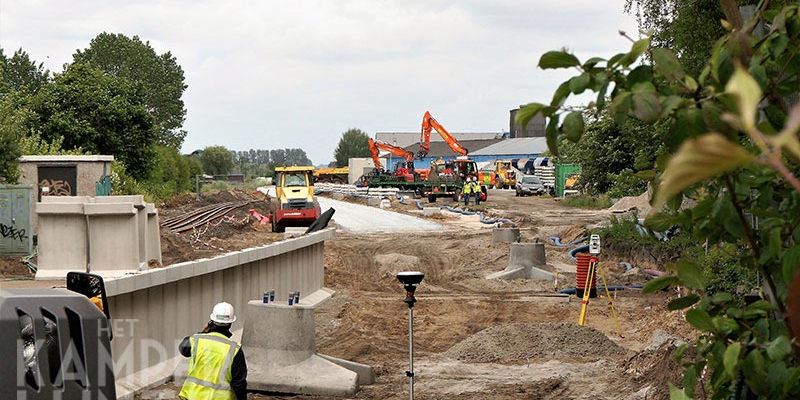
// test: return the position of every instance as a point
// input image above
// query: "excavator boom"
(428, 123)
(375, 147)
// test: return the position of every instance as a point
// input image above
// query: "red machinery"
(405, 171)
(428, 123)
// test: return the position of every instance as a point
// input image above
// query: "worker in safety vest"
(476, 191)
(217, 369)
(466, 191)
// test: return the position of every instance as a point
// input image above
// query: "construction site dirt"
(474, 337)
(491, 339)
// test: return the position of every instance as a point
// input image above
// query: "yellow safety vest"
(467, 188)
(476, 187)
(209, 374)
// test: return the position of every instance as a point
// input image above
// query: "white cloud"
(268, 74)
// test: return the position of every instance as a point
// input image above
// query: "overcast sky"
(274, 74)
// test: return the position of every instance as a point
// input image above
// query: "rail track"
(201, 216)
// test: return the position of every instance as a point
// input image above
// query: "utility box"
(566, 177)
(15, 219)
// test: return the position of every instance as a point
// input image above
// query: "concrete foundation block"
(153, 237)
(527, 254)
(366, 375)
(429, 211)
(509, 274)
(279, 341)
(505, 235)
(62, 240)
(373, 201)
(523, 263)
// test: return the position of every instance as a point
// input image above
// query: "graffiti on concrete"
(55, 187)
(13, 233)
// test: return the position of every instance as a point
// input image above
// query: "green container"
(563, 173)
(16, 235)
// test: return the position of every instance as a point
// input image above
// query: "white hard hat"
(223, 313)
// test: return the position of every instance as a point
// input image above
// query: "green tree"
(216, 160)
(689, 28)
(607, 148)
(99, 113)
(20, 73)
(10, 130)
(733, 150)
(158, 78)
(354, 143)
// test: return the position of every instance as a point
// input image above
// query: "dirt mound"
(392, 263)
(657, 367)
(572, 233)
(641, 203)
(514, 343)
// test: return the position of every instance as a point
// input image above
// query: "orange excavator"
(428, 124)
(404, 170)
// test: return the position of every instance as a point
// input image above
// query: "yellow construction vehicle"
(332, 175)
(504, 176)
(294, 192)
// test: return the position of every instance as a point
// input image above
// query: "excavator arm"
(428, 123)
(375, 147)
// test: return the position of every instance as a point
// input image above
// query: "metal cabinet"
(15, 219)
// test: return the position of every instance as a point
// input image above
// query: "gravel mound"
(522, 342)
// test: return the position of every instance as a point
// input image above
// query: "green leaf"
(690, 379)
(724, 324)
(748, 95)
(667, 64)
(560, 95)
(690, 83)
(677, 394)
(700, 319)
(690, 275)
(696, 160)
(731, 359)
(573, 126)
(683, 302)
(791, 260)
(551, 135)
(670, 104)
(601, 97)
(578, 84)
(527, 112)
(646, 106)
(721, 297)
(779, 348)
(558, 59)
(659, 222)
(590, 63)
(637, 49)
(659, 283)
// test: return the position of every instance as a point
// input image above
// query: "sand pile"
(523, 342)
(640, 203)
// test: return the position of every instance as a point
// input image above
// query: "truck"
(295, 204)
(504, 176)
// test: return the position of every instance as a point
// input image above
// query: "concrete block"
(109, 209)
(366, 374)
(509, 274)
(113, 239)
(67, 199)
(527, 254)
(153, 237)
(279, 341)
(505, 235)
(428, 211)
(523, 263)
(62, 243)
(373, 201)
(59, 208)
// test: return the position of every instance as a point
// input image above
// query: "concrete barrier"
(279, 343)
(505, 235)
(106, 235)
(524, 262)
(154, 310)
